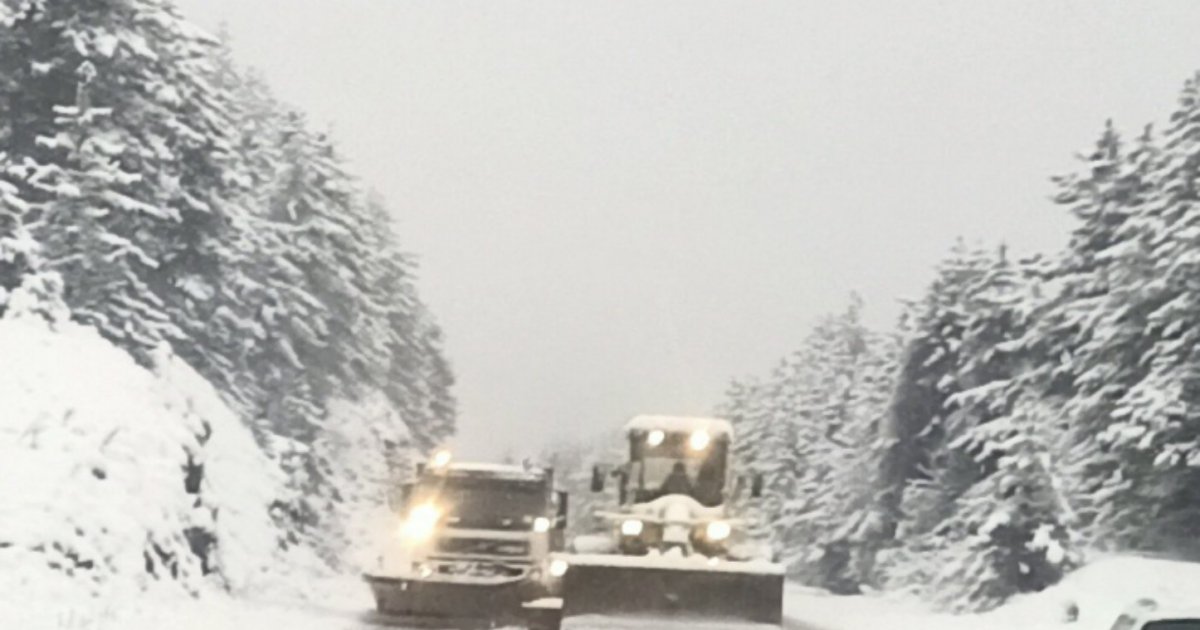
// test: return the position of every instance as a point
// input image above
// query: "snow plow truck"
(471, 545)
(676, 543)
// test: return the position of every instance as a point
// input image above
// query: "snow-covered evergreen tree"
(17, 247)
(992, 520)
(116, 103)
(811, 429)
(335, 307)
(1132, 408)
(1164, 405)
(914, 425)
(417, 378)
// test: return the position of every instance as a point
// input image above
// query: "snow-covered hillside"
(173, 201)
(118, 480)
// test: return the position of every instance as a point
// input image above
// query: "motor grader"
(676, 542)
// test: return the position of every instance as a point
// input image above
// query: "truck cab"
(484, 520)
(469, 535)
(1148, 615)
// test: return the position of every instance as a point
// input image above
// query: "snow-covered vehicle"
(472, 545)
(1147, 615)
(676, 543)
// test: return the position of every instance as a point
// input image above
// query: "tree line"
(1022, 413)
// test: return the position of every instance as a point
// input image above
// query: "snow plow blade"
(648, 587)
(448, 602)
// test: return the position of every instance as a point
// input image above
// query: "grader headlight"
(558, 567)
(718, 531)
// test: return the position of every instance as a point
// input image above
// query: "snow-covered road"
(805, 610)
(1100, 591)
(800, 614)
(336, 614)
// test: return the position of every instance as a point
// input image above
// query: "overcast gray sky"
(619, 206)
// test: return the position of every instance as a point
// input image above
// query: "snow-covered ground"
(341, 606)
(1101, 591)
(112, 473)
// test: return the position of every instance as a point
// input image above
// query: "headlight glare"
(558, 567)
(541, 524)
(718, 531)
(421, 522)
(632, 527)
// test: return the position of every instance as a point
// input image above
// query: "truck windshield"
(483, 503)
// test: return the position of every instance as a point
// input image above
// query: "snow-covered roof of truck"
(496, 471)
(680, 424)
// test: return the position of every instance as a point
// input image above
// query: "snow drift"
(118, 479)
(1104, 589)
(1099, 591)
(367, 448)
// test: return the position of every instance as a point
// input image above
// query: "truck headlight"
(440, 459)
(699, 440)
(541, 524)
(421, 522)
(718, 531)
(632, 527)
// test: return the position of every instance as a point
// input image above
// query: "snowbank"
(344, 608)
(1106, 587)
(368, 449)
(1101, 591)
(820, 610)
(116, 480)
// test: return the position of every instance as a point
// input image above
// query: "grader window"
(654, 460)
